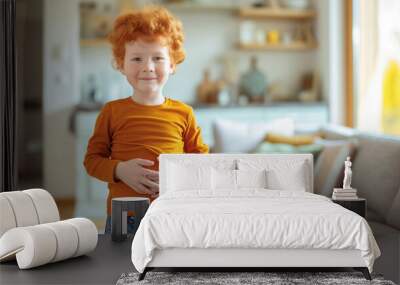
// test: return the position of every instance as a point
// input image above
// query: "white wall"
(336, 74)
(331, 56)
(61, 94)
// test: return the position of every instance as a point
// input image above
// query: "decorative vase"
(253, 83)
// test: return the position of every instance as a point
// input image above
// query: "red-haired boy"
(130, 133)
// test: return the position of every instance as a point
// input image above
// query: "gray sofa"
(376, 176)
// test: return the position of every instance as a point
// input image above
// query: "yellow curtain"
(391, 98)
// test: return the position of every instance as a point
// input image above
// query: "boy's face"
(147, 66)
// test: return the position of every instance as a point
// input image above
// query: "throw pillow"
(239, 137)
(329, 167)
(296, 140)
(266, 147)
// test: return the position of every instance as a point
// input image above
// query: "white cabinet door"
(91, 192)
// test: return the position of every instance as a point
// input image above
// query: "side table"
(358, 205)
(119, 214)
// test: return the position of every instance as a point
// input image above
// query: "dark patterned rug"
(230, 278)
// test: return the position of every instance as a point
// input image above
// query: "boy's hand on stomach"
(133, 174)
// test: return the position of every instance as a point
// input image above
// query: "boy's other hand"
(133, 174)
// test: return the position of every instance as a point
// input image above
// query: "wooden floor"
(66, 207)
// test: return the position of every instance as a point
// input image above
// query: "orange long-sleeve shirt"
(126, 130)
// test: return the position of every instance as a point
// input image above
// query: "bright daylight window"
(376, 43)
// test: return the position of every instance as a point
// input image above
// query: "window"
(376, 45)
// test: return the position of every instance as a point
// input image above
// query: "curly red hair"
(150, 23)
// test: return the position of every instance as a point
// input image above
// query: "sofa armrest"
(388, 240)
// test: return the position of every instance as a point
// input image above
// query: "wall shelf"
(246, 12)
(276, 13)
(301, 36)
(278, 47)
(188, 7)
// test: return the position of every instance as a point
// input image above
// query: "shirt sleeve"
(97, 159)
(192, 136)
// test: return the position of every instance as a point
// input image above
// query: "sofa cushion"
(393, 216)
(329, 166)
(373, 216)
(337, 132)
(376, 173)
(388, 239)
(266, 147)
(295, 140)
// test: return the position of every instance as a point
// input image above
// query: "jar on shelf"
(260, 36)
(247, 30)
(287, 37)
(273, 37)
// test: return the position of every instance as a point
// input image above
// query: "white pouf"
(7, 220)
(67, 240)
(87, 233)
(23, 208)
(46, 207)
(33, 246)
(31, 230)
(40, 244)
